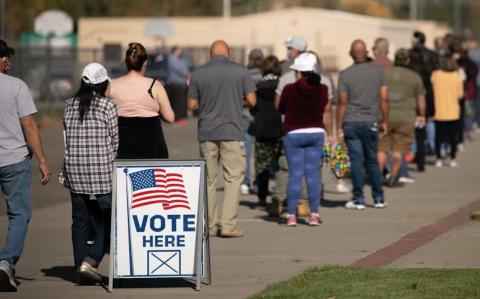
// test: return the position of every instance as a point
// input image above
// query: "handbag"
(336, 157)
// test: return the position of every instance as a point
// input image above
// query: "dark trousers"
(82, 210)
(420, 137)
(177, 94)
(461, 122)
(446, 132)
(262, 184)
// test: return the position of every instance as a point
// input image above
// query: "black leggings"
(446, 132)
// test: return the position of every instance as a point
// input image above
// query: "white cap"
(296, 42)
(306, 62)
(94, 73)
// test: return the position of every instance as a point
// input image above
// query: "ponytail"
(86, 93)
(312, 78)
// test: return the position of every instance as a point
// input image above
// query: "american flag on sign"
(153, 186)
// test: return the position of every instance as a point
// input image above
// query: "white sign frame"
(201, 263)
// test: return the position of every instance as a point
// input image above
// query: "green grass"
(346, 282)
(475, 215)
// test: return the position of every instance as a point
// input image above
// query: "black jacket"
(267, 121)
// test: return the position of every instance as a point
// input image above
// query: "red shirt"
(303, 105)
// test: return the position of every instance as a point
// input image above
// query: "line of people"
(381, 106)
(389, 113)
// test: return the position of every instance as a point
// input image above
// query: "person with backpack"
(266, 127)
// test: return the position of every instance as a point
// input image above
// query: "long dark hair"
(312, 78)
(86, 93)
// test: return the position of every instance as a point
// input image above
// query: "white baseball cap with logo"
(94, 73)
(306, 62)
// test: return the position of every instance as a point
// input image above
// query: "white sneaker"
(439, 163)
(244, 189)
(342, 188)
(453, 163)
(407, 180)
(380, 205)
(351, 205)
(460, 147)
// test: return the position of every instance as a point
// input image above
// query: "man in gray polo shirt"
(363, 96)
(220, 89)
(16, 125)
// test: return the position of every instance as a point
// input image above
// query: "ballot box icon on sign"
(164, 262)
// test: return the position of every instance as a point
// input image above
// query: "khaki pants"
(232, 158)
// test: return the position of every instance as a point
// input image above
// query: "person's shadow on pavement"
(64, 272)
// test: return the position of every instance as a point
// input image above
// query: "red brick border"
(417, 238)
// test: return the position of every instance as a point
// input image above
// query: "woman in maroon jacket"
(304, 104)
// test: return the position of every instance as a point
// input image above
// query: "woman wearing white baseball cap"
(304, 104)
(91, 143)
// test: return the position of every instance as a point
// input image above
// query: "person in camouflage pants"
(267, 152)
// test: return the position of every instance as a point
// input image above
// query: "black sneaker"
(393, 181)
(262, 203)
(7, 279)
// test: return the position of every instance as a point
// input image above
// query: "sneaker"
(89, 272)
(7, 279)
(342, 188)
(393, 181)
(380, 205)
(244, 189)
(407, 180)
(439, 164)
(453, 163)
(352, 205)
(314, 219)
(291, 220)
(235, 233)
(460, 147)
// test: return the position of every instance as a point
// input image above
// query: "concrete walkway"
(269, 252)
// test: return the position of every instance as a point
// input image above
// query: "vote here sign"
(156, 220)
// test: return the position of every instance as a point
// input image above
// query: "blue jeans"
(248, 145)
(83, 211)
(304, 154)
(16, 186)
(362, 140)
(430, 130)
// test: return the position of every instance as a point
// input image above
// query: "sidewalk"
(270, 252)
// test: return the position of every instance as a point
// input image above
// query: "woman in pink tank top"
(141, 102)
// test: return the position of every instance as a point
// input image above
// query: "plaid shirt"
(90, 147)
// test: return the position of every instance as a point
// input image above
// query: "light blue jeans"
(248, 145)
(16, 186)
(304, 155)
(430, 130)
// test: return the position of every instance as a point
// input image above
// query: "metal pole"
(413, 9)
(457, 15)
(227, 9)
(2, 18)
